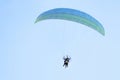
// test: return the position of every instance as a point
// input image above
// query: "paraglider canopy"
(72, 15)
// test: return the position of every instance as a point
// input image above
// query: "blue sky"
(31, 51)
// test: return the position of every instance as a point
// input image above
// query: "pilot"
(66, 61)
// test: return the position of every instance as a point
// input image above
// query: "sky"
(30, 51)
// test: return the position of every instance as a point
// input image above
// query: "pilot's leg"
(66, 65)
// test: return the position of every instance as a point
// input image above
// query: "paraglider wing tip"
(100, 29)
(103, 32)
(35, 21)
